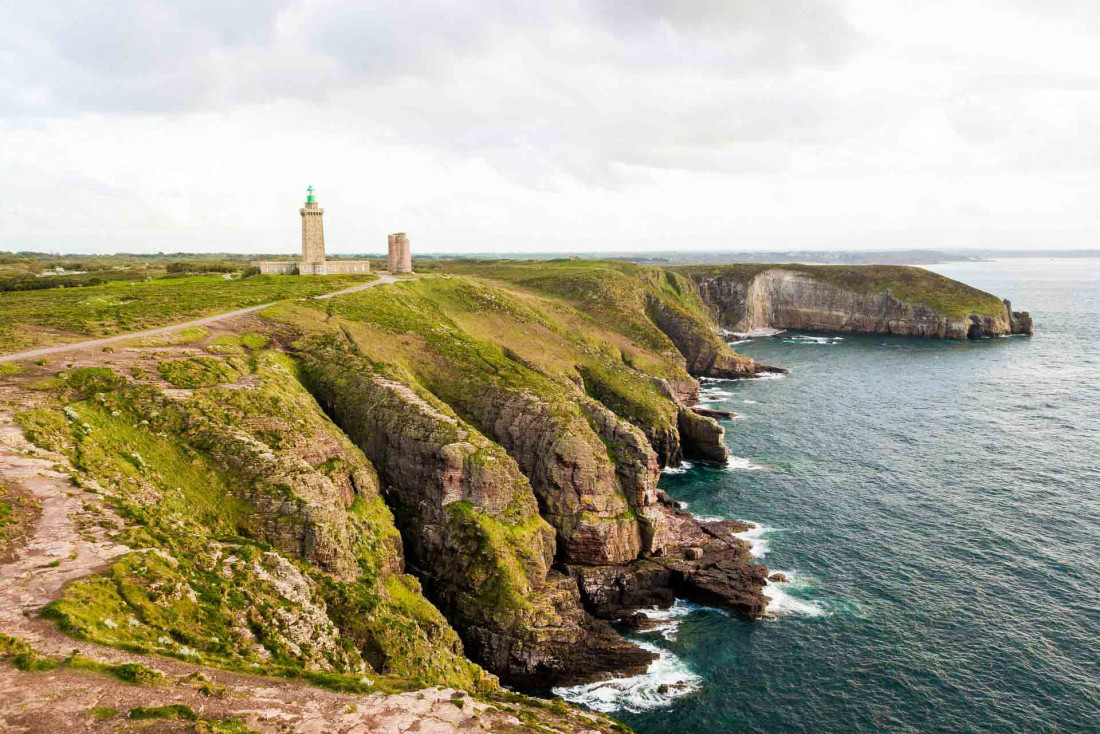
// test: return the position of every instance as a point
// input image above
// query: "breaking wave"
(737, 463)
(754, 536)
(667, 678)
(785, 603)
(769, 376)
(803, 339)
(682, 469)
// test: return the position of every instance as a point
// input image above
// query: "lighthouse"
(313, 236)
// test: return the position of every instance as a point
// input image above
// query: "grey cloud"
(175, 55)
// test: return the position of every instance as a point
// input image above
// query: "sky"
(520, 126)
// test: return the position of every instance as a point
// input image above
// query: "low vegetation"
(18, 511)
(207, 581)
(38, 318)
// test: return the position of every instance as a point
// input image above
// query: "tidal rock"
(702, 561)
(701, 437)
(778, 578)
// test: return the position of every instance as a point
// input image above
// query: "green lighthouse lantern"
(309, 195)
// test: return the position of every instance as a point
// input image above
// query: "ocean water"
(937, 508)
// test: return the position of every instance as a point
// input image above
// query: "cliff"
(855, 299)
(426, 484)
(567, 409)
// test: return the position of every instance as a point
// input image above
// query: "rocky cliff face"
(471, 525)
(791, 299)
(586, 466)
(705, 353)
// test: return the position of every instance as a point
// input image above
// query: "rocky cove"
(439, 482)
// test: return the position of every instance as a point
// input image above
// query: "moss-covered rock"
(259, 529)
(470, 521)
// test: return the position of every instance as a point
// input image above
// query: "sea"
(935, 506)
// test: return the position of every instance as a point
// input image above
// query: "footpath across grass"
(30, 319)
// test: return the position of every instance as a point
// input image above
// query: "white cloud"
(602, 123)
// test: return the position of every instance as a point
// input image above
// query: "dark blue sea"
(936, 506)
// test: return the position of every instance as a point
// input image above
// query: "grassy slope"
(909, 284)
(30, 319)
(610, 294)
(626, 298)
(159, 461)
(461, 337)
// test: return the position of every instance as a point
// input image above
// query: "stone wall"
(339, 267)
(400, 256)
(325, 267)
(275, 267)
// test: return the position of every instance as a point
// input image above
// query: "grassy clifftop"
(909, 284)
(30, 319)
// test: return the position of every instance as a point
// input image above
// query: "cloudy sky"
(483, 125)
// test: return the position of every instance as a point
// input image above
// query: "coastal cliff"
(896, 300)
(437, 482)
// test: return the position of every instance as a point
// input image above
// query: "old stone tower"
(313, 236)
(400, 260)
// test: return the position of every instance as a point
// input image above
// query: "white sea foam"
(739, 341)
(668, 619)
(684, 466)
(769, 376)
(715, 392)
(749, 402)
(803, 339)
(640, 692)
(737, 463)
(784, 603)
(754, 536)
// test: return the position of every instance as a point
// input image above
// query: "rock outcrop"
(471, 526)
(701, 561)
(701, 437)
(1020, 321)
(568, 466)
(705, 353)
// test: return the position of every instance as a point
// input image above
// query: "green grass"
(102, 713)
(25, 658)
(32, 319)
(178, 473)
(178, 337)
(18, 510)
(175, 712)
(201, 371)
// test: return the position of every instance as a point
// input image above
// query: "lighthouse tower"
(313, 237)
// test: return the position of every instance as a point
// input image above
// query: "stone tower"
(313, 237)
(400, 254)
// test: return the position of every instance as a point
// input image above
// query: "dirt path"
(92, 343)
(66, 542)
